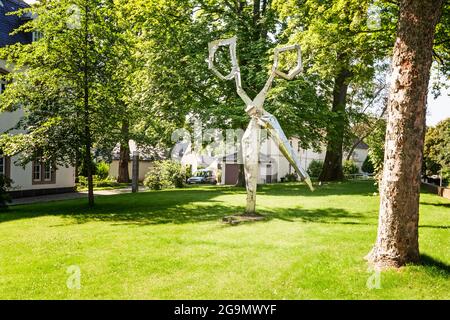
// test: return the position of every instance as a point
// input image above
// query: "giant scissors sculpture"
(260, 118)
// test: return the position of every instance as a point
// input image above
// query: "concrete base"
(239, 218)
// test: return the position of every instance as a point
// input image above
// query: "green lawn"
(173, 245)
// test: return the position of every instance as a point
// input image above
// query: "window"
(48, 172)
(37, 171)
(2, 86)
(2, 165)
(43, 173)
(36, 36)
(5, 165)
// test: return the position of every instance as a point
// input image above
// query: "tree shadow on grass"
(172, 206)
(320, 215)
(361, 188)
(438, 265)
(444, 205)
(434, 227)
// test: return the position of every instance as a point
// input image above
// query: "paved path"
(68, 196)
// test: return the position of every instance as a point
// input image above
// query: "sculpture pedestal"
(240, 218)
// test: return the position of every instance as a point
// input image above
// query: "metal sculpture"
(259, 118)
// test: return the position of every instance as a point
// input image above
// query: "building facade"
(273, 165)
(36, 177)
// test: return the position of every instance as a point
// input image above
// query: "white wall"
(280, 166)
(144, 167)
(22, 177)
(9, 119)
(358, 156)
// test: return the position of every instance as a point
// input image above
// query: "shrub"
(82, 181)
(376, 141)
(367, 166)
(165, 174)
(106, 182)
(102, 170)
(153, 179)
(290, 177)
(98, 182)
(5, 184)
(187, 172)
(349, 167)
(314, 168)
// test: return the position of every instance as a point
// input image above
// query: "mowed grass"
(173, 245)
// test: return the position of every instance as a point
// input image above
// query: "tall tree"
(176, 81)
(437, 150)
(343, 43)
(397, 240)
(63, 83)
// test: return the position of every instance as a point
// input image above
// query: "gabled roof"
(362, 145)
(9, 23)
(147, 153)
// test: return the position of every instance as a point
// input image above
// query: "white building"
(35, 178)
(273, 165)
(147, 156)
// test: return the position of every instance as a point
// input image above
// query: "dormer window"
(2, 86)
(2, 165)
(36, 36)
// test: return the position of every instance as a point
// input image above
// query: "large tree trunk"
(241, 176)
(124, 154)
(332, 166)
(397, 240)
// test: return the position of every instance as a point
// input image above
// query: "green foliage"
(375, 141)
(65, 82)
(165, 174)
(349, 167)
(441, 51)
(173, 67)
(367, 166)
(5, 184)
(437, 149)
(314, 168)
(337, 35)
(102, 170)
(105, 182)
(83, 168)
(188, 171)
(344, 51)
(99, 182)
(290, 177)
(82, 181)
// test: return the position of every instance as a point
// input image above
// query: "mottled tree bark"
(332, 165)
(397, 240)
(124, 154)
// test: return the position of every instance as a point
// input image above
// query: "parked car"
(203, 176)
